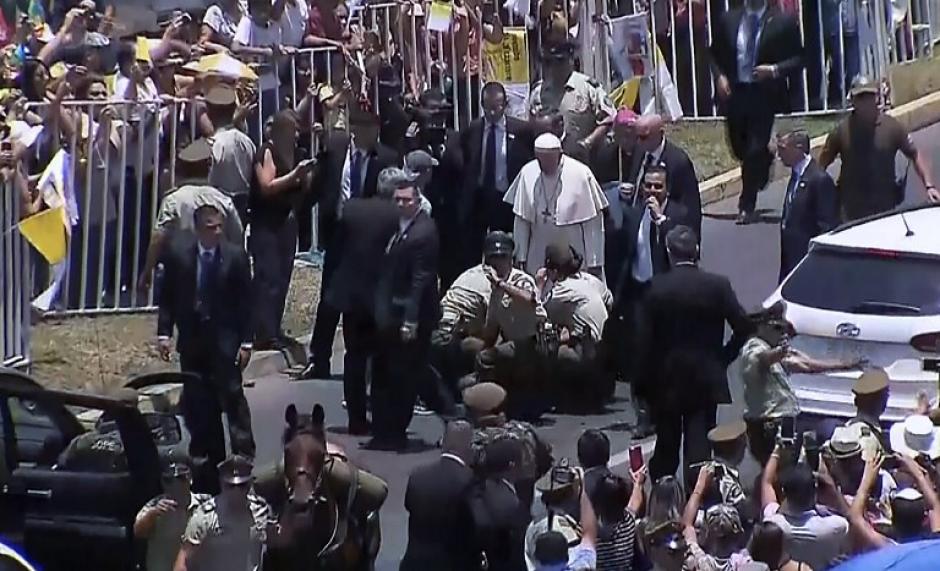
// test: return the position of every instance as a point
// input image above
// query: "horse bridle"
(317, 499)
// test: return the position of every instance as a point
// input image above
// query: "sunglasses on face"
(656, 185)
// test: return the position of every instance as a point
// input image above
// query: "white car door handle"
(39, 494)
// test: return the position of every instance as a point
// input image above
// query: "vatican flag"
(46, 231)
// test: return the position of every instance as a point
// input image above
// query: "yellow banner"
(508, 62)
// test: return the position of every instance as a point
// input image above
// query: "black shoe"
(355, 428)
(745, 218)
(386, 444)
(314, 371)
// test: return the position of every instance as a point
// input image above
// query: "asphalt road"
(748, 255)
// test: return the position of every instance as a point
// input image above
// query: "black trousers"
(327, 318)
(684, 425)
(400, 373)
(359, 335)
(490, 213)
(218, 390)
(750, 120)
(272, 249)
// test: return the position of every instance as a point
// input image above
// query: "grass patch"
(707, 144)
(99, 354)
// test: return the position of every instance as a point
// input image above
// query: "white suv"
(872, 289)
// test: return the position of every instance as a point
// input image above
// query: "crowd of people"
(487, 267)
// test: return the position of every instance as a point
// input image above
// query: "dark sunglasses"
(656, 185)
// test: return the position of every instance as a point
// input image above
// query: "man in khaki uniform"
(228, 532)
(582, 102)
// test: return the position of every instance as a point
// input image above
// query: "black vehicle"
(67, 516)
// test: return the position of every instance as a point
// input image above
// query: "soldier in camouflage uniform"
(484, 402)
(228, 532)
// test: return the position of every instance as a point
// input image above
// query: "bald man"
(437, 530)
(653, 148)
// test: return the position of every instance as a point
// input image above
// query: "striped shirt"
(616, 544)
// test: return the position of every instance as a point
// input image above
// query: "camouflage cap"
(723, 520)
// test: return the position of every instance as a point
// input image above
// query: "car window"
(866, 283)
(38, 439)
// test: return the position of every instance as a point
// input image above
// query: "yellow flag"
(46, 232)
(143, 50)
(508, 61)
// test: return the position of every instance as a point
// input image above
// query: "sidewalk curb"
(914, 115)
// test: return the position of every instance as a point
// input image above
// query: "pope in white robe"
(556, 199)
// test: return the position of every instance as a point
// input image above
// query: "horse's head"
(304, 457)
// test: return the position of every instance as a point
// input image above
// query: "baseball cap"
(419, 161)
(498, 243)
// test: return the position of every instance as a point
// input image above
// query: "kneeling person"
(577, 305)
(507, 352)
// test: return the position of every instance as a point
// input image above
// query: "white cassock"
(566, 207)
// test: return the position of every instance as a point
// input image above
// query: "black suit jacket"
(519, 152)
(407, 287)
(359, 243)
(229, 328)
(509, 520)
(328, 179)
(813, 210)
(438, 522)
(683, 315)
(680, 179)
(610, 164)
(627, 237)
(778, 44)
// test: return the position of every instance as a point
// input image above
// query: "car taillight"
(882, 253)
(927, 342)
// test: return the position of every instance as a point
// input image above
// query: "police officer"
(163, 519)
(485, 403)
(582, 102)
(871, 392)
(507, 349)
(228, 531)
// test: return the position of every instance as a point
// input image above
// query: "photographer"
(722, 547)
(910, 508)
(764, 366)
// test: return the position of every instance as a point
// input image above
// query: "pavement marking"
(623, 457)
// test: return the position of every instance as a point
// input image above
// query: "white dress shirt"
(643, 259)
(502, 182)
(346, 182)
(745, 69)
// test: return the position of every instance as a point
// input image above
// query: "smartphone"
(811, 449)
(788, 429)
(636, 458)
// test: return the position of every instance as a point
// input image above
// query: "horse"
(318, 529)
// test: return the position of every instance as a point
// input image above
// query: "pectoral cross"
(547, 215)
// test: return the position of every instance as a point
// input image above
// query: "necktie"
(788, 199)
(753, 22)
(489, 159)
(355, 174)
(204, 283)
(643, 263)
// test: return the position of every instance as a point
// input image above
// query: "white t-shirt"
(812, 538)
(293, 23)
(221, 22)
(251, 34)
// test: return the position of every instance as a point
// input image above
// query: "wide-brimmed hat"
(916, 435)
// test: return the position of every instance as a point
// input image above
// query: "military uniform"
(225, 538)
(456, 340)
(228, 541)
(581, 101)
(869, 384)
(482, 400)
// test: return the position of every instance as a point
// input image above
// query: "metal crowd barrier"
(15, 278)
(841, 38)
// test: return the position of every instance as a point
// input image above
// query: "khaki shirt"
(179, 207)
(467, 299)
(163, 545)
(867, 179)
(228, 541)
(515, 320)
(581, 303)
(581, 101)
